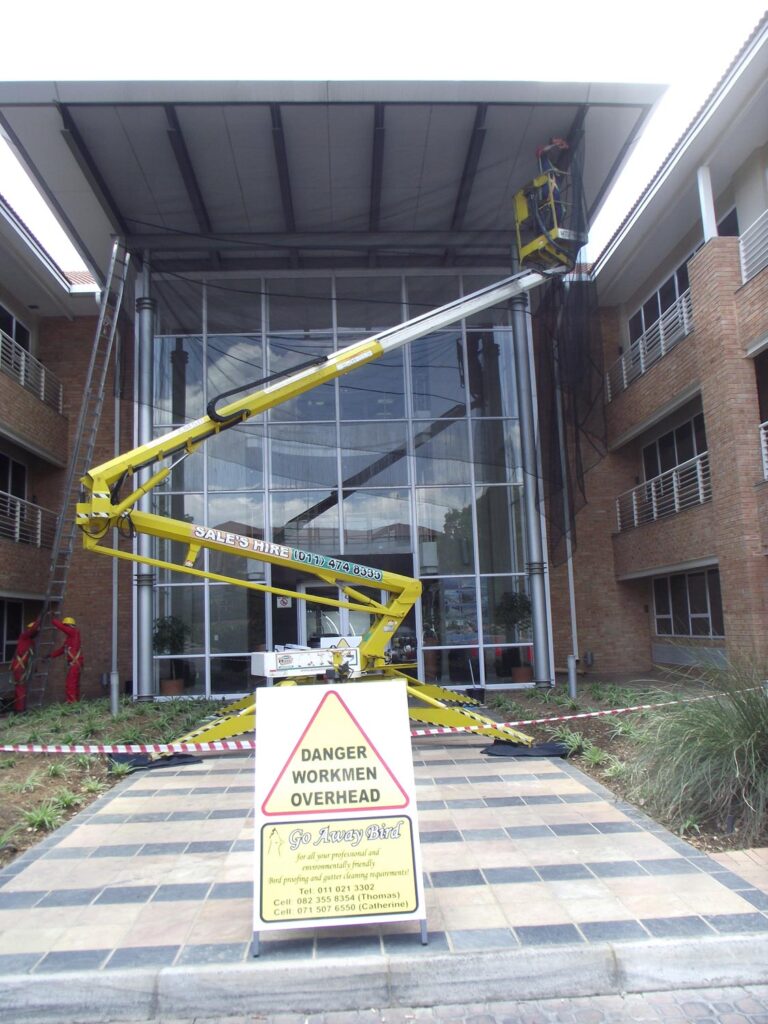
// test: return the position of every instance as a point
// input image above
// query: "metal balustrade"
(685, 486)
(764, 447)
(671, 327)
(25, 523)
(30, 373)
(753, 248)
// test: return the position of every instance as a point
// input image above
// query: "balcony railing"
(30, 372)
(680, 488)
(671, 327)
(25, 523)
(753, 247)
(764, 447)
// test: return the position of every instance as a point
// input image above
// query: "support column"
(707, 203)
(531, 487)
(145, 578)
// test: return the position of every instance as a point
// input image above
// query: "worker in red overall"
(21, 664)
(73, 650)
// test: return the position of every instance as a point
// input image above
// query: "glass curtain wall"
(411, 463)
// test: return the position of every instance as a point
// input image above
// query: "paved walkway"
(538, 884)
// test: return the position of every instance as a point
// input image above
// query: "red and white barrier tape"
(225, 745)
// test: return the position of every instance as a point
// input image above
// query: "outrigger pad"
(137, 761)
(500, 748)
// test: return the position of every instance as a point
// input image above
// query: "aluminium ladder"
(80, 459)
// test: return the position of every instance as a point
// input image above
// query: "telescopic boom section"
(103, 508)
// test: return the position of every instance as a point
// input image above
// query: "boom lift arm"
(103, 508)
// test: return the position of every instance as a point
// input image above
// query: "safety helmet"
(69, 621)
(31, 625)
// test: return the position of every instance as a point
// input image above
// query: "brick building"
(253, 254)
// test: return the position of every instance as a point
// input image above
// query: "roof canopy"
(289, 175)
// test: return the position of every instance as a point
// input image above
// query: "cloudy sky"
(684, 44)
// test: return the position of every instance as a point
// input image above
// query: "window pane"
(444, 517)
(180, 607)
(187, 473)
(237, 619)
(635, 326)
(18, 480)
(231, 675)
(668, 294)
(288, 351)
(365, 305)
(496, 451)
(697, 594)
(661, 596)
(664, 625)
(5, 473)
(234, 306)
(700, 625)
(684, 443)
(500, 542)
(233, 361)
(683, 283)
(300, 304)
(178, 379)
(303, 455)
(651, 311)
(242, 514)
(667, 458)
(700, 433)
(22, 336)
(236, 458)
(186, 508)
(306, 519)
(426, 293)
(679, 592)
(449, 611)
(506, 610)
(374, 391)
(729, 225)
(438, 376)
(490, 360)
(498, 315)
(715, 602)
(442, 452)
(651, 461)
(374, 454)
(6, 322)
(14, 621)
(376, 521)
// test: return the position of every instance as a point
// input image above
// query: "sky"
(685, 44)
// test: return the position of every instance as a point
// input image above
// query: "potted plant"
(170, 636)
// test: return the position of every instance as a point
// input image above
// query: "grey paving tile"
(73, 960)
(521, 777)
(212, 846)
(616, 827)
(205, 790)
(578, 798)
(450, 780)
(441, 836)
(465, 804)
(69, 898)
(142, 956)
(669, 866)
(288, 949)
(548, 934)
(187, 816)
(562, 872)
(574, 829)
(239, 789)
(231, 891)
(484, 778)
(126, 894)
(451, 879)
(20, 898)
(481, 938)
(504, 801)
(338, 945)
(507, 876)
(162, 849)
(18, 963)
(734, 924)
(214, 953)
(229, 812)
(730, 880)
(174, 891)
(676, 927)
(118, 850)
(542, 799)
(147, 817)
(431, 805)
(483, 834)
(410, 943)
(755, 897)
(242, 846)
(612, 931)
(615, 868)
(529, 831)
(110, 819)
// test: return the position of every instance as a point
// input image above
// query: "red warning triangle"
(334, 767)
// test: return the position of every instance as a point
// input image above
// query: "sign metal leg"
(255, 950)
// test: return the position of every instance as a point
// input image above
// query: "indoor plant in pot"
(513, 613)
(170, 636)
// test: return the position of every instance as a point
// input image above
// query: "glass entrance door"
(322, 620)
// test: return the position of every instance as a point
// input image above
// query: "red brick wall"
(31, 421)
(65, 346)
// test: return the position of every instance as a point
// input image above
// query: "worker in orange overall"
(74, 652)
(21, 664)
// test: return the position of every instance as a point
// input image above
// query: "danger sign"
(336, 834)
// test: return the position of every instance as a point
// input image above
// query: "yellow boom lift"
(103, 508)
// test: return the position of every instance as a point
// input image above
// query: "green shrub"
(44, 818)
(707, 761)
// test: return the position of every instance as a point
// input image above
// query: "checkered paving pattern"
(517, 853)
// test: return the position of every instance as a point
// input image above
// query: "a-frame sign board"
(336, 830)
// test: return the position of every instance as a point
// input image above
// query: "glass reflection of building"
(409, 464)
